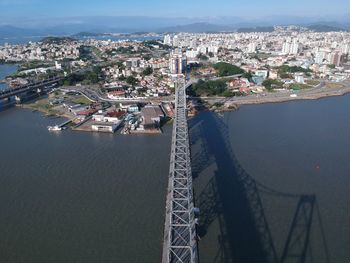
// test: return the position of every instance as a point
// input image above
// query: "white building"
(251, 47)
(299, 78)
(168, 40)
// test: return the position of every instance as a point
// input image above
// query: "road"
(94, 94)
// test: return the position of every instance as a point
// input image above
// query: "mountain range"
(97, 25)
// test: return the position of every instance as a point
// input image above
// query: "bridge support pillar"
(18, 99)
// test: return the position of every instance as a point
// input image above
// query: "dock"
(64, 124)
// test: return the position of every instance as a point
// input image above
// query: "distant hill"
(255, 29)
(57, 40)
(88, 34)
(197, 28)
(326, 28)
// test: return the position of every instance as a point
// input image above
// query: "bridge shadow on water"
(231, 198)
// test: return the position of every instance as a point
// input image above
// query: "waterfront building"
(151, 117)
(105, 126)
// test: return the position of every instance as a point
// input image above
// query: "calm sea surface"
(87, 197)
(289, 150)
(79, 197)
(5, 70)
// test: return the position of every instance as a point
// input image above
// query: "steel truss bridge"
(180, 235)
(27, 88)
(180, 238)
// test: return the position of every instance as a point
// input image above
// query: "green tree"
(226, 69)
(285, 71)
(148, 71)
(209, 88)
(247, 75)
(203, 57)
(271, 84)
(131, 80)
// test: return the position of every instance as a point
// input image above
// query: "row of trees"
(89, 77)
(210, 88)
(226, 69)
(285, 71)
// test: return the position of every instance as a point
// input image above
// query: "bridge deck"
(13, 92)
(180, 240)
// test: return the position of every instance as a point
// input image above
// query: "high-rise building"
(294, 47)
(167, 40)
(176, 41)
(335, 58)
(177, 64)
(291, 48)
(252, 47)
(345, 48)
(286, 48)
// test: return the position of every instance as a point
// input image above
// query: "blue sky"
(13, 9)
(39, 13)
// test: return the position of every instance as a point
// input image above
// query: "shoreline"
(233, 104)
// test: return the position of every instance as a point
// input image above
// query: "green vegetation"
(81, 100)
(89, 77)
(72, 79)
(131, 80)
(326, 28)
(3, 61)
(333, 85)
(122, 78)
(148, 71)
(35, 64)
(313, 82)
(57, 40)
(331, 66)
(210, 88)
(228, 93)
(88, 34)
(226, 69)
(43, 106)
(124, 50)
(147, 57)
(299, 86)
(255, 29)
(84, 53)
(97, 51)
(203, 57)
(271, 84)
(285, 71)
(150, 43)
(247, 75)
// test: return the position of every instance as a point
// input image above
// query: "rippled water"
(5, 70)
(79, 197)
(84, 197)
(295, 148)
